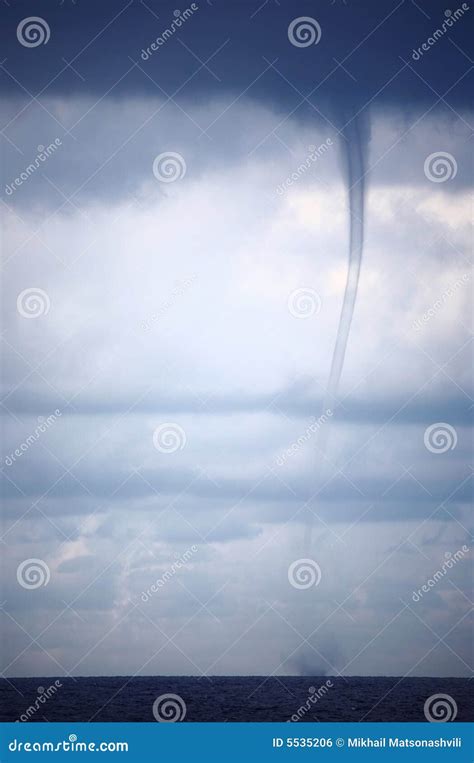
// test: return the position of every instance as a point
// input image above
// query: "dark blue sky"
(368, 39)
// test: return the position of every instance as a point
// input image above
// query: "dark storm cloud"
(305, 85)
(369, 39)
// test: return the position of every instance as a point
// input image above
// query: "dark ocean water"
(253, 698)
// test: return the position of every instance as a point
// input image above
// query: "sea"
(233, 698)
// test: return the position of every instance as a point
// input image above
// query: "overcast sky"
(210, 304)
